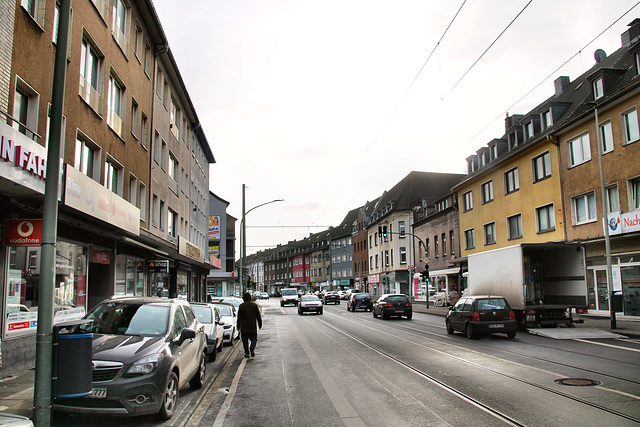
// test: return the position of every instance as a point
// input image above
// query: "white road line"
(608, 345)
(232, 392)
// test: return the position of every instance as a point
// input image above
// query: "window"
(142, 201)
(25, 109)
(90, 64)
(436, 245)
(35, 8)
(171, 222)
(162, 224)
(120, 18)
(634, 189)
(144, 130)
(598, 88)
(606, 137)
(386, 258)
(155, 211)
(467, 201)
(173, 167)
(401, 228)
(133, 189)
(579, 150)
(444, 244)
(487, 192)
(529, 130)
(469, 239)
(613, 199)
(547, 119)
(156, 147)
(511, 181)
(584, 208)
(115, 115)
(546, 218)
(541, 167)
(452, 242)
(490, 233)
(137, 49)
(630, 130)
(174, 119)
(87, 157)
(56, 23)
(134, 117)
(403, 255)
(514, 226)
(113, 176)
(147, 58)
(163, 156)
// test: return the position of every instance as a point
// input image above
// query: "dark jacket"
(248, 315)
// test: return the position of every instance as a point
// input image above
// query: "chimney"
(561, 83)
(630, 36)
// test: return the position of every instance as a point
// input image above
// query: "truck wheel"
(469, 331)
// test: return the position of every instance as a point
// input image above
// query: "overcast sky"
(317, 102)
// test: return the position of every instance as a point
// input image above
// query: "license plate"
(98, 393)
(496, 325)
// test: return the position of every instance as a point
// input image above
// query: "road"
(349, 369)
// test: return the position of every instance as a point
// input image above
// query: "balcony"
(90, 95)
(114, 121)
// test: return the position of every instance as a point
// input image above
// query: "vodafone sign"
(22, 232)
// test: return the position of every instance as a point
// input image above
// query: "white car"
(229, 321)
(309, 304)
(209, 316)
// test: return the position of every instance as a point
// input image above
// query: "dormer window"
(636, 59)
(598, 88)
(513, 141)
(547, 119)
(529, 130)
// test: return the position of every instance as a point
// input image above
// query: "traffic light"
(384, 231)
(380, 231)
(425, 273)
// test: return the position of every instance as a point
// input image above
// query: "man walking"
(248, 316)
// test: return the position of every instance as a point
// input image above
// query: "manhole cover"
(577, 382)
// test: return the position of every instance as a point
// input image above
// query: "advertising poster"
(214, 227)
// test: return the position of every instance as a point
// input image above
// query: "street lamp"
(243, 239)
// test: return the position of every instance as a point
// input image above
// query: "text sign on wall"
(22, 232)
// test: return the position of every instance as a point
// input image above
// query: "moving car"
(359, 301)
(289, 296)
(331, 297)
(229, 321)
(262, 295)
(476, 315)
(309, 304)
(209, 315)
(143, 351)
(393, 305)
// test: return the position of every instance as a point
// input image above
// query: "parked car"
(359, 301)
(209, 315)
(309, 304)
(229, 321)
(476, 315)
(143, 351)
(393, 305)
(331, 297)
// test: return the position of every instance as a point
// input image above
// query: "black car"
(143, 351)
(331, 298)
(477, 315)
(393, 305)
(359, 301)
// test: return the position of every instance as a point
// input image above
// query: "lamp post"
(243, 238)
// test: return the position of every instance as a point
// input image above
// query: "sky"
(327, 104)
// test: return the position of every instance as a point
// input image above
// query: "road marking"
(232, 392)
(348, 415)
(608, 345)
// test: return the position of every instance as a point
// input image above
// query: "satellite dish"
(599, 55)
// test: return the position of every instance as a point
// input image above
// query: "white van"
(289, 296)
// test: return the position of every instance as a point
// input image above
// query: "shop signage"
(24, 161)
(159, 265)
(88, 196)
(621, 223)
(100, 256)
(26, 323)
(22, 232)
(188, 249)
(215, 262)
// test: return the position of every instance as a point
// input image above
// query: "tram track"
(461, 394)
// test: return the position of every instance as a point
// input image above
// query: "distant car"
(389, 305)
(209, 315)
(309, 304)
(289, 296)
(359, 301)
(348, 292)
(262, 295)
(341, 294)
(477, 315)
(331, 298)
(139, 346)
(229, 320)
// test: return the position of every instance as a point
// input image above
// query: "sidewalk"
(16, 392)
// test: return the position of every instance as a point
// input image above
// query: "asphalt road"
(349, 369)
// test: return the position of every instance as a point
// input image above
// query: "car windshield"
(308, 298)
(397, 298)
(203, 313)
(225, 310)
(492, 304)
(121, 318)
(361, 296)
(289, 292)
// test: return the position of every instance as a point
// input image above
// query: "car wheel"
(469, 331)
(449, 328)
(385, 315)
(374, 313)
(219, 347)
(338, 303)
(511, 334)
(320, 312)
(198, 379)
(169, 397)
(300, 312)
(213, 354)
(409, 316)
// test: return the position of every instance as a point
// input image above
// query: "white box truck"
(541, 281)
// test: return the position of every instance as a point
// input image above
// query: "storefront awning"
(444, 272)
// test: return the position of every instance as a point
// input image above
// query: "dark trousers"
(245, 341)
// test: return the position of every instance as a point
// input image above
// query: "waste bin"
(616, 303)
(71, 359)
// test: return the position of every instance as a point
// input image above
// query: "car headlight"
(145, 365)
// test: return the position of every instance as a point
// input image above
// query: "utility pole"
(42, 399)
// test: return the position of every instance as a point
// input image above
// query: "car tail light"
(512, 315)
(388, 304)
(408, 304)
(475, 317)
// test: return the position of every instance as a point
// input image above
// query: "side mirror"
(186, 334)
